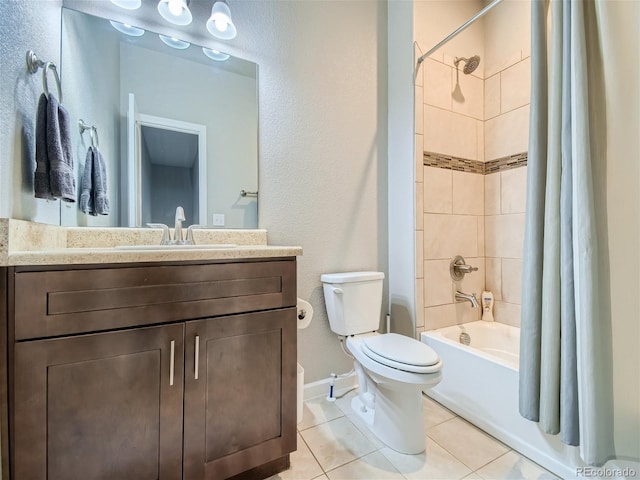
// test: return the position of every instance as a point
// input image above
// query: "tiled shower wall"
(480, 217)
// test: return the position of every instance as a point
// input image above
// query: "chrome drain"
(465, 338)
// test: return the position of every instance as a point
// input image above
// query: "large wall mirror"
(176, 124)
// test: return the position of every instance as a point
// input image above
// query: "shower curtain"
(565, 352)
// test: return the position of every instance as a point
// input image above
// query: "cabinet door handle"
(172, 362)
(197, 357)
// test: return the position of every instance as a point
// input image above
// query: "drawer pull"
(197, 357)
(172, 362)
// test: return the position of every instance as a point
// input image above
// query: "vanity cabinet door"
(240, 392)
(100, 406)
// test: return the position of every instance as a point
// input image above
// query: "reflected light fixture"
(220, 24)
(215, 54)
(128, 4)
(173, 42)
(175, 11)
(127, 29)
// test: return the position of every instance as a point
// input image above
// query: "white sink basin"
(214, 246)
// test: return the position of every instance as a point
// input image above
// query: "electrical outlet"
(218, 219)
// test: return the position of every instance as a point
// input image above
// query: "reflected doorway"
(167, 168)
(169, 175)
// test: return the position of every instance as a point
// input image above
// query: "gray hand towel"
(86, 202)
(93, 198)
(99, 182)
(41, 176)
(59, 152)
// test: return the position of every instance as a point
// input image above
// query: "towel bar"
(93, 132)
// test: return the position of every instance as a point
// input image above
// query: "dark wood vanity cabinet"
(235, 412)
(99, 406)
(196, 381)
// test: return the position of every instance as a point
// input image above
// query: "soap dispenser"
(487, 306)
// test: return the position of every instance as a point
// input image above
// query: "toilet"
(392, 369)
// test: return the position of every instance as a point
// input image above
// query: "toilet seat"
(402, 353)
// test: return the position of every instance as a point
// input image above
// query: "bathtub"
(480, 383)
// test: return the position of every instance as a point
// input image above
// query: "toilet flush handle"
(337, 291)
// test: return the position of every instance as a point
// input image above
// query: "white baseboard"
(321, 387)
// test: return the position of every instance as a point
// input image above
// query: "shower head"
(470, 64)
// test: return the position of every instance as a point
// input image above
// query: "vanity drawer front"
(52, 303)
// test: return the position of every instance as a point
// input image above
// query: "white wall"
(402, 265)
(323, 146)
(619, 24)
(24, 26)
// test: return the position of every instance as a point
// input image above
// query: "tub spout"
(461, 297)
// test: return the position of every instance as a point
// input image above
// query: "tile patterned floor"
(334, 444)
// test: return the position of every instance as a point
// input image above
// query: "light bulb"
(221, 24)
(175, 7)
(175, 11)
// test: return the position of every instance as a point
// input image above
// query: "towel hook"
(34, 64)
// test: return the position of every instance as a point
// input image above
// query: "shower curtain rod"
(460, 29)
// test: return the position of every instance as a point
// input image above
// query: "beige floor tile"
(336, 443)
(344, 401)
(344, 404)
(370, 467)
(473, 476)
(322, 477)
(467, 443)
(303, 465)
(434, 413)
(364, 429)
(436, 464)
(318, 410)
(514, 466)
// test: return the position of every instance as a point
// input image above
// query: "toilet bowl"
(392, 369)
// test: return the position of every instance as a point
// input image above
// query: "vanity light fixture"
(127, 29)
(215, 54)
(220, 24)
(128, 4)
(175, 11)
(173, 42)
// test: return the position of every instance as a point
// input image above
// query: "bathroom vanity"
(180, 368)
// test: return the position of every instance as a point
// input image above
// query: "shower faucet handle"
(458, 268)
(466, 268)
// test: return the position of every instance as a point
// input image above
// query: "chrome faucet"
(461, 297)
(177, 232)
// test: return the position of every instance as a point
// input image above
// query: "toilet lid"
(401, 352)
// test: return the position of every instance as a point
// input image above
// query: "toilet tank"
(353, 301)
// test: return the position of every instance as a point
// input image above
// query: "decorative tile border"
(506, 163)
(450, 162)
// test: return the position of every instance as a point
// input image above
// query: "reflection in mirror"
(176, 126)
(171, 165)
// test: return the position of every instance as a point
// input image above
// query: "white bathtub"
(480, 383)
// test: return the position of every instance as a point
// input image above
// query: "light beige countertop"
(27, 243)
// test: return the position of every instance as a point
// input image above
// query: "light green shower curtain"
(565, 360)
